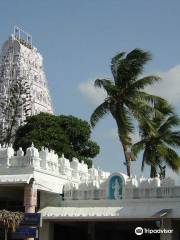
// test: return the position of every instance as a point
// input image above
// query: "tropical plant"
(126, 99)
(10, 220)
(63, 134)
(159, 142)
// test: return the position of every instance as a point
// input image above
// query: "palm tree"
(159, 142)
(126, 99)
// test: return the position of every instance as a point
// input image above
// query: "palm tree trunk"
(153, 172)
(124, 145)
(127, 160)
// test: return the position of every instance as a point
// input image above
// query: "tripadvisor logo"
(140, 231)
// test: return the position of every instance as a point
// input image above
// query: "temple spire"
(20, 62)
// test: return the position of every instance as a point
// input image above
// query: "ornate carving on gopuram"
(19, 60)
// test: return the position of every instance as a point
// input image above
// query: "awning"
(162, 213)
(100, 212)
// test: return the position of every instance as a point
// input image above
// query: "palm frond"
(99, 112)
(145, 81)
(136, 60)
(102, 83)
(150, 98)
(131, 67)
(172, 138)
(107, 85)
(140, 110)
(115, 63)
(142, 56)
(164, 107)
(158, 107)
(169, 156)
(138, 147)
(172, 121)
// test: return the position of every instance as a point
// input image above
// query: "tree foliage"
(64, 134)
(126, 99)
(159, 141)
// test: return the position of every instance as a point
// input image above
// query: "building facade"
(75, 202)
(83, 203)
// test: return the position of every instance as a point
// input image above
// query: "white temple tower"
(20, 60)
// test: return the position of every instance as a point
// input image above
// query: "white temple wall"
(75, 180)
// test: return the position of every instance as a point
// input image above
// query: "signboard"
(32, 219)
(24, 232)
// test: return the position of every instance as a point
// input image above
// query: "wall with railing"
(133, 188)
(49, 162)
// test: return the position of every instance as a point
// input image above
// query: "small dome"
(93, 171)
(75, 164)
(64, 161)
(32, 151)
(155, 182)
(20, 152)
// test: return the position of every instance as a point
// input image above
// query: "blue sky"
(78, 38)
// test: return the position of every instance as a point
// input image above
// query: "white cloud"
(94, 95)
(169, 87)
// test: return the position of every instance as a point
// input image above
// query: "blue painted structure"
(116, 187)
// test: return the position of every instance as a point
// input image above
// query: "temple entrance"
(113, 230)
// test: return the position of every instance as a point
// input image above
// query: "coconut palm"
(126, 99)
(159, 142)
